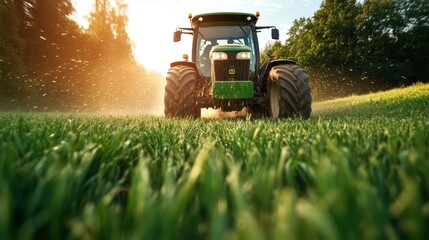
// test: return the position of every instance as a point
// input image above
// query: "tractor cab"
(221, 41)
(224, 30)
(224, 72)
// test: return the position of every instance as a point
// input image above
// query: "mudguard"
(185, 63)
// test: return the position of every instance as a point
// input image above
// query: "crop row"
(353, 176)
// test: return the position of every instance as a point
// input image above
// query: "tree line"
(351, 46)
(48, 62)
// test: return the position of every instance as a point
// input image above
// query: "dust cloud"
(81, 87)
(217, 113)
(142, 94)
(328, 84)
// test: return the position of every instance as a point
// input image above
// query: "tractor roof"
(224, 16)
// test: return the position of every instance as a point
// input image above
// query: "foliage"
(333, 30)
(374, 41)
(11, 46)
(298, 41)
(361, 172)
(60, 66)
(275, 47)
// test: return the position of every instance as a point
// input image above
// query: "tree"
(11, 50)
(334, 31)
(107, 27)
(277, 48)
(350, 47)
(300, 43)
(416, 38)
(114, 70)
(379, 25)
(11, 44)
(49, 33)
(69, 68)
(122, 46)
(394, 39)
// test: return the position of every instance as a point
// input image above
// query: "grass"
(358, 169)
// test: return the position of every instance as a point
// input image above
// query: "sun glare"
(152, 23)
(150, 27)
(83, 8)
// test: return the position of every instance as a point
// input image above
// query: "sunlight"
(151, 28)
(83, 8)
(151, 25)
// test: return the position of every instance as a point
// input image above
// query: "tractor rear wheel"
(180, 96)
(289, 93)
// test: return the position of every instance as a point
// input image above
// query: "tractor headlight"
(243, 55)
(219, 56)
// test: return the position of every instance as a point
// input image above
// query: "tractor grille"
(231, 70)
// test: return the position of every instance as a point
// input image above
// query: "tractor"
(225, 72)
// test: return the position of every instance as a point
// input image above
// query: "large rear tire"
(289, 93)
(180, 97)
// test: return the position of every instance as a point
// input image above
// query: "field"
(358, 169)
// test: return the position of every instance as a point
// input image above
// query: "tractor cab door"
(203, 60)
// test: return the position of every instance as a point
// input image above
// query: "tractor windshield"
(218, 33)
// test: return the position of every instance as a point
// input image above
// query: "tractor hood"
(230, 48)
(224, 16)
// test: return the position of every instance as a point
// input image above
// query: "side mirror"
(275, 34)
(177, 36)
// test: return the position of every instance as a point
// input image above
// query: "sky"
(152, 23)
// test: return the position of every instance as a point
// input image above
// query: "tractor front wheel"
(289, 93)
(180, 97)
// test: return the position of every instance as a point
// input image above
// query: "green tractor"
(225, 72)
